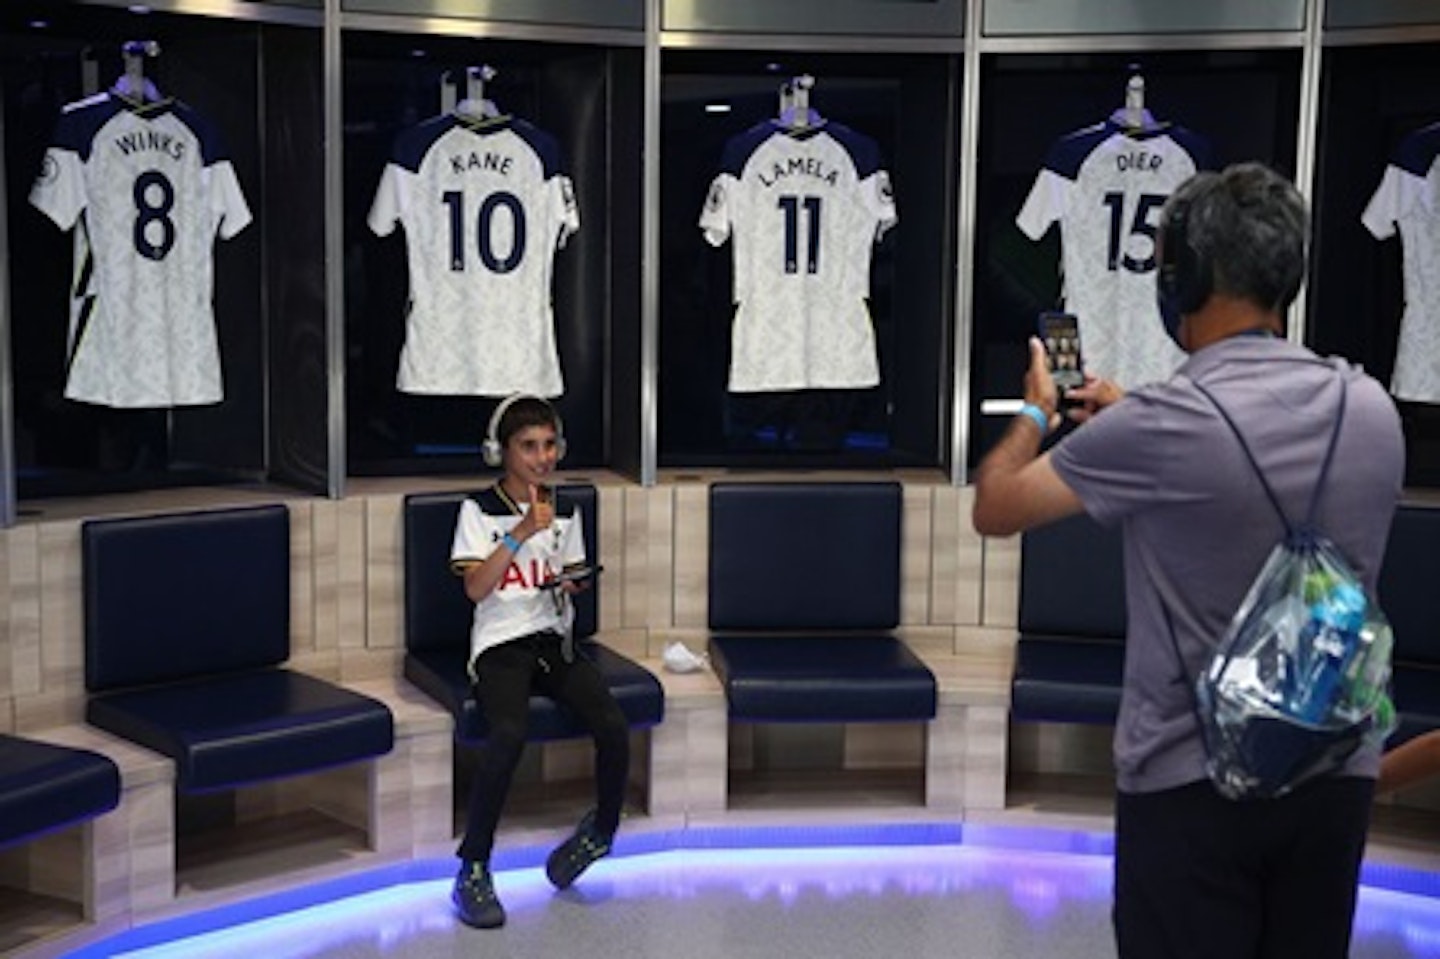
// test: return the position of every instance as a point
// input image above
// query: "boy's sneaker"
(576, 854)
(474, 897)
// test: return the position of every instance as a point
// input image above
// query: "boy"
(510, 541)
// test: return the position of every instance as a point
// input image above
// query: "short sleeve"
(389, 201)
(715, 219)
(1048, 200)
(59, 190)
(227, 201)
(1108, 462)
(475, 537)
(569, 210)
(572, 547)
(1398, 192)
(880, 197)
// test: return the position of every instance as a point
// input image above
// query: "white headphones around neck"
(493, 451)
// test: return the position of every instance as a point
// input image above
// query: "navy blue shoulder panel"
(79, 122)
(739, 147)
(864, 152)
(1068, 153)
(1417, 152)
(1194, 144)
(212, 145)
(546, 147)
(412, 144)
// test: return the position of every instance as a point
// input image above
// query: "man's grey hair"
(1251, 225)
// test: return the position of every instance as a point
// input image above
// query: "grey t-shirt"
(1196, 523)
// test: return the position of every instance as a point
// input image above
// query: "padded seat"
(187, 622)
(1067, 680)
(822, 678)
(437, 628)
(1405, 595)
(1070, 658)
(45, 787)
(232, 729)
(810, 641)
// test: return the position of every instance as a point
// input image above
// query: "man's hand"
(1040, 384)
(1096, 394)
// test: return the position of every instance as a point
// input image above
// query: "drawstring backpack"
(1298, 682)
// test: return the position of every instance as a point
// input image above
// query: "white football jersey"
(146, 187)
(1408, 198)
(804, 210)
(484, 206)
(1106, 188)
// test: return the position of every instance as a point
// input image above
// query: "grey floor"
(834, 903)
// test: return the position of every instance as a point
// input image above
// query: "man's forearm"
(994, 480)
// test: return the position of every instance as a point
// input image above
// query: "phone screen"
(1060, 332)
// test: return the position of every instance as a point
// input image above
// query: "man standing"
(1197, 874)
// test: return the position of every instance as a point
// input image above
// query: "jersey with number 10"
(147, 187)
(1106, 185)
(484, 206)
(805, 209)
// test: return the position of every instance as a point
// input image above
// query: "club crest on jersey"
(811, 167)
(49, 171)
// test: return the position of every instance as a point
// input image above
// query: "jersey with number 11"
(484, 206)
(147, 187)
(805, 208)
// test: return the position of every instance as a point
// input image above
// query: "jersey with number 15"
(1106, 186)
(147, 187)
(484, 206)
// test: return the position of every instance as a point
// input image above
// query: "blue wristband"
(1038, 415)
(510, 543)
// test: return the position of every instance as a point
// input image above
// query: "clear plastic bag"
(1300, 679)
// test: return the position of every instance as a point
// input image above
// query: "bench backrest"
(1407, 577)
(437, 612)
(1072, 580)
(185, 594)
(802, 556)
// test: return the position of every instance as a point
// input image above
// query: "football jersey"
(803, 209)
(484, 206)
(1408, 198)
(517, 606)
(146, 187)
(1105, 186)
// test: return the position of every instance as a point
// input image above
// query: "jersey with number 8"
(484, 206)
(147, 187)
(1106, 188)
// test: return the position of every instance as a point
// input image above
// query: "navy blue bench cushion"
(182, 595)
(437, 612)
(442, 675)
(1067, 680)
(822, 678)
(1072, 580)
(186, 617)
(230, 730)
(1405, 587)
(1069, 661)
(45, 787)
(804, 556)
(1406, 595)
